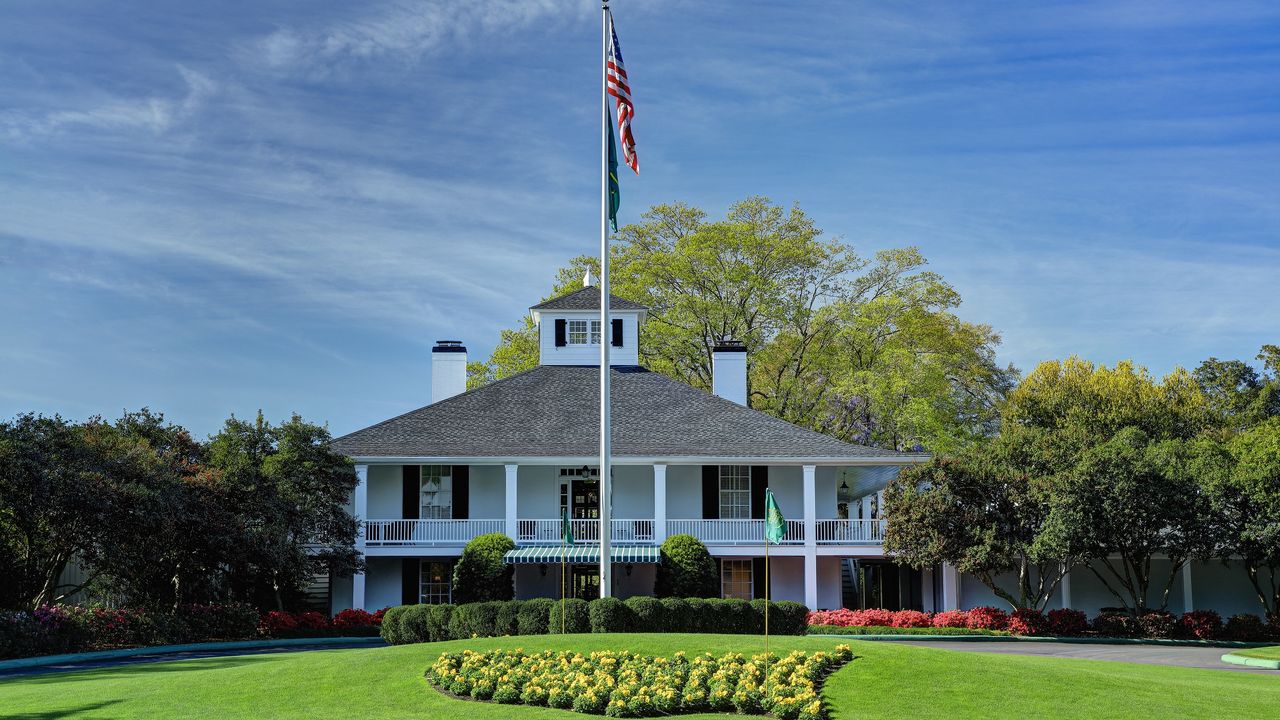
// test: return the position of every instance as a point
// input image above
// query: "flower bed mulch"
(625, 684)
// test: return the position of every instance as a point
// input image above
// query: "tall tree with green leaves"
(868, 350)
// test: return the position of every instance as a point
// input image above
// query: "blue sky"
(211, 208)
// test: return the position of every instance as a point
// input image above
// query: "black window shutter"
(409, 575)
(711, 492)
(759, 481)
(757, 578)
(617, 332)
(412, 489)
(560, 333)
(461, 492)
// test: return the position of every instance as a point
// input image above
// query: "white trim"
(810, 536)
(512, 472)
(360, 508)
(659, 503)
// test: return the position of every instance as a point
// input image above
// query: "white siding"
(537, 492)
(386, 492)
(684, 492)
(588, 354)
(787, 483)
(488, 492)
(383, 583)
(787, 575)
(633, 492)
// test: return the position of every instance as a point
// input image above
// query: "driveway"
(1174, 655)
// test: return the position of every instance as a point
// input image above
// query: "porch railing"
(850, 532)
(548, 531)
(733, 532)
(384, 533)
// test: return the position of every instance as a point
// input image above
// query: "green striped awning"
(579, 554)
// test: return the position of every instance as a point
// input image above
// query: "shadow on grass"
(136, 668)
(63, 713)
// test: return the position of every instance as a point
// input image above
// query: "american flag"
(620, 88)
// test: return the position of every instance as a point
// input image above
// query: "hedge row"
(406, 624)
(883, 630)
(1195, 625)
(51, 630)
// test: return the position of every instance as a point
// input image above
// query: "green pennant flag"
(615, 193)
(566, 527)
(775, 526)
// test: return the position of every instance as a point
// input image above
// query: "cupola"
(569, 330)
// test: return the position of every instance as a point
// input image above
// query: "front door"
(586, 582)
(586, 499)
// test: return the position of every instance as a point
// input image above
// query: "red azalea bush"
(1028, 622)
(312, 620)
(123, 627)
(1244, 626)
(845, 617)
(951, 619)
(355, 618)
(276, 622)
(1065, 622)
(1202, 624)
(910, 619)
(1158, 624)
(988, 618)
(1110, 623)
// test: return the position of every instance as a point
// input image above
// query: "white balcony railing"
(733, 532)
(548, 532)
(384, 533)
(850, 532)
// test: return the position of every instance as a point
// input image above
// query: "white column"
(510, 505)
(926, 589)
(810, 537)
(950, 588)
(659, 502)
(1066, 589)
(1188, 601)
(360, 509)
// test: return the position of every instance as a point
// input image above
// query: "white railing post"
(659, 503)
(511, 525)
(810, 537)
(360, 509)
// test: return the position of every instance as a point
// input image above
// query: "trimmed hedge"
(407, 624)
(481, 574)
(686, 569)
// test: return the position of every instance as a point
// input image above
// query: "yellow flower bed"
(624, 684)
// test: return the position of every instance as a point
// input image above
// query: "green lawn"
(1265, 653)
(886, 680)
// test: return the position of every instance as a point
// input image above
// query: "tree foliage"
(686, 569)
(867, 350)
(481, 574)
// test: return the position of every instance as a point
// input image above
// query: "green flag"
(775, 526)
(615, 193)
(566, 527)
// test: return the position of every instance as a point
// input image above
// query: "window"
(435, 584)
(735, 579)
(735, 492)
(578, 332)
(437, 492)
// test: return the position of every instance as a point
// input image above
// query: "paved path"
(167, 657)
(1175, 655)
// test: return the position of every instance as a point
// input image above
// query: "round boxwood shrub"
(609, 615)
(646, 614)
(477, 619)
(481, 574)
(390, 629)
(686, 569)
(728, 615)
(508, 620)
(677, 616)
(534, 617)
(415, 624)
(438, 619)
(576, 619)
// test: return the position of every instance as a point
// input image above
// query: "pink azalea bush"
(988, 618)
(1065, 622)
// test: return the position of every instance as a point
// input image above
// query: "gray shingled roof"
(588, 298)
(551, 411)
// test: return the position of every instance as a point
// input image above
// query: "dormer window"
(578, 332)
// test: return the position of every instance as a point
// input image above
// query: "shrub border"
(1050, 638)
(42, 660)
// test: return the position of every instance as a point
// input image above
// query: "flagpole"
(606, 499)
(766, 610)
(563, 547)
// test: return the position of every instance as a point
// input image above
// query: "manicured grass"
(882, 630)
(1264, 653)
(886, 680)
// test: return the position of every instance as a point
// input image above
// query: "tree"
(686, 569)
(1239, 396)
(983, 513)
(1243, 481)
(866, 350)
(287, 493)
(482, 573)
